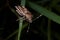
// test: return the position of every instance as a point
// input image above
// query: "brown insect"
(22, 11)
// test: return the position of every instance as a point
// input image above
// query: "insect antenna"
(32, 21)
(37, 18)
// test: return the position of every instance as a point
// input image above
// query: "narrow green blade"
(45, 12)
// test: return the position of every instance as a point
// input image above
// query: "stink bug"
(22, 11)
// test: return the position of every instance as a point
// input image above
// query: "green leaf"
(45, 12)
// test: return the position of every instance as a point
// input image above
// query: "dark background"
(8, 23)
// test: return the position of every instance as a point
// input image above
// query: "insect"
(22, 11)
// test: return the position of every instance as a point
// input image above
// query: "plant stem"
(21, 21)
(23, 2)
(49, 31)
(20, 27)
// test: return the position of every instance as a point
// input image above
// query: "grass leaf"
(45, 12)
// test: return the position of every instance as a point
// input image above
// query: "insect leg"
(37, 17)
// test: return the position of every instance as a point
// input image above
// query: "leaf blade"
(45, 12)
